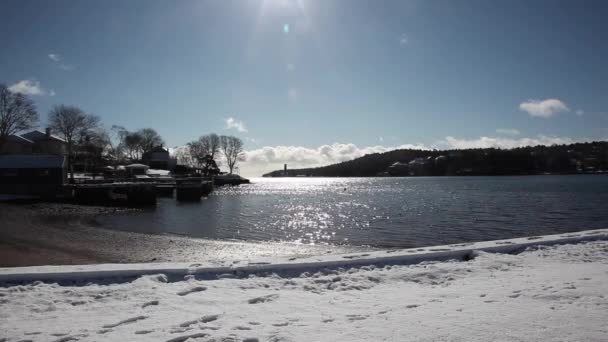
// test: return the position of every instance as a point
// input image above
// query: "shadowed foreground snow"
(555, 293)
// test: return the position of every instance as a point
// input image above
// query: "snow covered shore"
(554, 290)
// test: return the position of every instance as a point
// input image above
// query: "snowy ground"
(546, 293)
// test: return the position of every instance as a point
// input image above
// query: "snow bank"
(108, 273)
(554, 292)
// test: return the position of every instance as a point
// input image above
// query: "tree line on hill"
(91, 146)
(590, 157)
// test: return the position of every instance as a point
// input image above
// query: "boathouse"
(40, 175)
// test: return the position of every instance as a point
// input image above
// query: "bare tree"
(17, 113)
(205, 148)
(72, 124)
(132, 144)
(184, 157)
(116, 147)
(93, 148)
(211, 144)
(149, 139)
(232, 149)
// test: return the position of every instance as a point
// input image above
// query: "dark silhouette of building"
(32, 174)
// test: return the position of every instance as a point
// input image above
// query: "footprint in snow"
(188, 323)
(411, 306)
(143, 332)
(191, 290)
(186, 337)
(240, 327)
(284, 324)
(209, 328)
(263, 299)
(153, 302)
(126, 321)
(209, 318)
(355, 256)
(66, 339)
(356, 317)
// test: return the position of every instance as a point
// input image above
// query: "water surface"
(382, 212)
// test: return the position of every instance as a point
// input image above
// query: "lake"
(382, 212)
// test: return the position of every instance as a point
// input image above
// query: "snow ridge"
(119, 273)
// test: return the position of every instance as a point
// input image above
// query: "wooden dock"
(140, 192)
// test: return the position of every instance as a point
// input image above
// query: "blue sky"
(313, 82)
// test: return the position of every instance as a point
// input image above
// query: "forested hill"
(561, 159)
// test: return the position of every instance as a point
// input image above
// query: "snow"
(552, 289)
(158, 173)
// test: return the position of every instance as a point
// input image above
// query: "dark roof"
(31, 161)
(39, 135)
(18, 139)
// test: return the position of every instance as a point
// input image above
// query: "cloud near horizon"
(270, 158)
(232, 123)
(543, 108)
(30, 87)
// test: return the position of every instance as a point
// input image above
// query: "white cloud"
(55, 57)
(30, 87)
(403, 40)
(236, 124)
(580, 112)
(507, 131)
(499, 142)
(544, 108)
(66, 67)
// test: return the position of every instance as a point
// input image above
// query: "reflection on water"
(403, 212)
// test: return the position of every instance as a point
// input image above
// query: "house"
(40, 175)
(34, 142)
(16, 144)
(398, 169)
(159, 158)
(46, 143)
